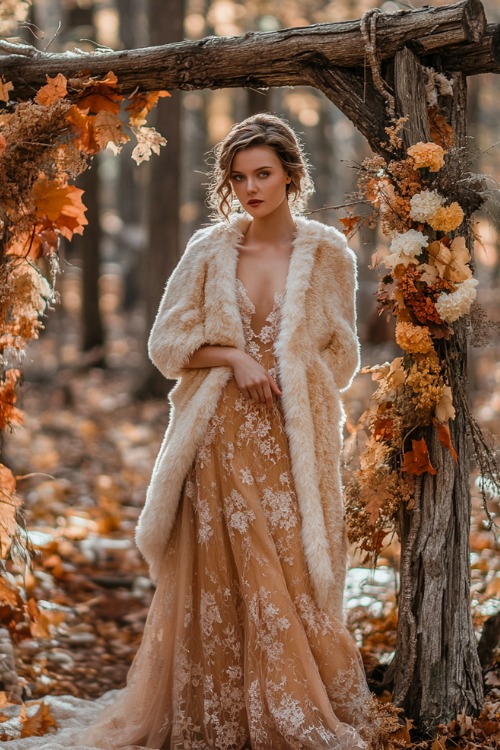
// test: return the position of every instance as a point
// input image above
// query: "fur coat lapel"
(317, 354)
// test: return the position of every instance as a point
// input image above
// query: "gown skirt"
(235, 652)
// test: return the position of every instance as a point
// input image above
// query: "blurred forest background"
(95, 408)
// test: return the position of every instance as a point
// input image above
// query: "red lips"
(255, 203)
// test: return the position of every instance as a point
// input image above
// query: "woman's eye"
(264, 174)
(237, 177)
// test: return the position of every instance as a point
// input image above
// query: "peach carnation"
(425, 204)
(405, 248)
(447, 218)
(427, 155)
(413, 339)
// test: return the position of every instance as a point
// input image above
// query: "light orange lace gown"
(235, 653)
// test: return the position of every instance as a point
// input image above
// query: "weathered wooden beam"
(481, 57)
(352, 91)
(257, 59)
(409, 90)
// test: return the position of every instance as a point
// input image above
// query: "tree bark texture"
(88, 247)
(437, 670)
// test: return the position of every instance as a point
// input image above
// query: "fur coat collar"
(317, 354)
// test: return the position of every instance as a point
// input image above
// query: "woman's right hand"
(253, 380)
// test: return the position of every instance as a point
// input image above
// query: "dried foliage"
(427, 285)
(45, 144)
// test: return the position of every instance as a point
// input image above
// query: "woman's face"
(259, 180)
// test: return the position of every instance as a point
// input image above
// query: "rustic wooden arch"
(436, 670)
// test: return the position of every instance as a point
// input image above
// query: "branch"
(481, 57)
(257, 59)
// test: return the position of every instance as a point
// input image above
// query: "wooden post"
(437, 672)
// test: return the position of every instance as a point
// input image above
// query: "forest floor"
(86, 451)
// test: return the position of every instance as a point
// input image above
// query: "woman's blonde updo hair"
(259, 130)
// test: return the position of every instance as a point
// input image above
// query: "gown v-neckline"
(278, 299)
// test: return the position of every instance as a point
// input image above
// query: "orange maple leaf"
(140, 103)
(417, 460)
(82, 124)
(108, 131)
(54, 90)
(61, 205)
(5, 88)
(350, 224)
(101, 95)
(445, 438)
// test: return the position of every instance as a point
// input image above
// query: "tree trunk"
(89, 248)
(437, 671)
(163, 248)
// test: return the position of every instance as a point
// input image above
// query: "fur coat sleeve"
(342, 351)
(179, 329)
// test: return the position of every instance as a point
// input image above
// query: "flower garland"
(427, 284)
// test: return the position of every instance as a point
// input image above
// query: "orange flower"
(427, 155)
(413, 339)
(447, 218)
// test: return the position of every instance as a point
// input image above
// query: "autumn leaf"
(148, 140)
(444, 408)
(458, 269)
(25, 244)
(417, 460)
(350, 224)
(9, 502)
(38, 724)
(5, 88)
(140, 103)
(445, 438)
(439, 255)
(100, 95)
(441, 131)
(9, 414)
(83, 125)
(109, 132)
(54, 90)
(61, 204)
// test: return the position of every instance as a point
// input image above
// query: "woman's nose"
(251, 186)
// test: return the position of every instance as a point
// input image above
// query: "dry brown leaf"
(444, 408)
(54, 90)
(38, 724)
(148, 140)
(109, 131)
(140, 103)
(445, 438)
(350, 224)
(417, 460)
(83, 125)
(5, 88)
(98, 96)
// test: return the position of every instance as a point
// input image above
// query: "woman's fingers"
(273, 385)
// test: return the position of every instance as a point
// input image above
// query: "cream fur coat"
(317, 351)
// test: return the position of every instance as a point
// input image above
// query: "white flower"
(451, 306)
(405, 247)
(425, 204)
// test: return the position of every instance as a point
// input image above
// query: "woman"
(243, 529)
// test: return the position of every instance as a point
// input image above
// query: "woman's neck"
(277, 227)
